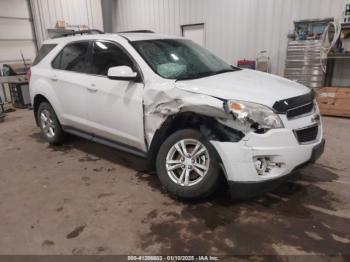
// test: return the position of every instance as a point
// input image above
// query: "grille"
(307, 134)
(301, 110)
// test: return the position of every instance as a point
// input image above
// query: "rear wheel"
(49, 124)
(187, 165)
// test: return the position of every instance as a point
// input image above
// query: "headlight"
(254, 113)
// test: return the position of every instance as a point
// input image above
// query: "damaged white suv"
(195, 118)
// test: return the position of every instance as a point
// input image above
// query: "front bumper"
(279, 146)
(244, 190)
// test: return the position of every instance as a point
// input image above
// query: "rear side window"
(44, 50)
(73, 57)
(106, 55)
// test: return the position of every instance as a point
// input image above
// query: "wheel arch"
(207, 125)
(38, 99)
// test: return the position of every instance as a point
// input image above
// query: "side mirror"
(122, 73)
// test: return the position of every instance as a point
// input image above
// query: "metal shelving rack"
(303, 63)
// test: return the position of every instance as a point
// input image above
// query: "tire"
(174, 181)
(49, 124)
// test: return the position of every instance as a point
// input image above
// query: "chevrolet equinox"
(198, 120)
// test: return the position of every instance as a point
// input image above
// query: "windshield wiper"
(205, 74)
(194, 76)
(223, 71)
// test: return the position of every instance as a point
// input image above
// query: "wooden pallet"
(334, 101)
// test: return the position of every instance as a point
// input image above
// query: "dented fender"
(164, 99)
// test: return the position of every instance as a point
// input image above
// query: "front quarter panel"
(162, 99)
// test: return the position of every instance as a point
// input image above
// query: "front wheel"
(49, 124)
(187, 165)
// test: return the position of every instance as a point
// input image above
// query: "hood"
(246, 85)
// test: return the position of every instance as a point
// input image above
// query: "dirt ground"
(85, 198)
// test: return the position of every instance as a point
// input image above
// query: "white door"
(194, 33)
(69, 85)
(115, 108)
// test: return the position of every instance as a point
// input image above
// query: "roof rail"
(81, 32)
(136, 31)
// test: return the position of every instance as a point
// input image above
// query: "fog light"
(264, 165)
(260, 164)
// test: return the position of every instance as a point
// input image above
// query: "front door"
(115, 108)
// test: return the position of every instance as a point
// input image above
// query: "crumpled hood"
(246, 85)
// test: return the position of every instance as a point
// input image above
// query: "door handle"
(91, 89)
(53, 78)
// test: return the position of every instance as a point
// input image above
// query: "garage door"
(16, 32)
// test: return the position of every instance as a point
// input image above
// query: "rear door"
(70, 85)
(115, 108)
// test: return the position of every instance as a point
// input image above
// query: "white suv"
(195, 118)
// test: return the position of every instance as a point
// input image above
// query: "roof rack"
(81, 32)
(137, 31)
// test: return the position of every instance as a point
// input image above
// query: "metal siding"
(76, 12)
(16, 32)
(14, 8)
(234, 29)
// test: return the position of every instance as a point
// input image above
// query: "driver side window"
(106, 55)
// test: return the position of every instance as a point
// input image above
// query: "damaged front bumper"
(259, 162)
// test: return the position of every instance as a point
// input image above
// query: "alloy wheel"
(47, 123)
(187, 162)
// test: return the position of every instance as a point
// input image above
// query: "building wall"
(16, 34)
(16, 25)
(74, 12)
(235, 29)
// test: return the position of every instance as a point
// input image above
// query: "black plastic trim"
(137, 31)
(106, 142)
(136, 79)
(81, 32)
(317, 151)
(248, 190)
(282, 106)
(302, 132)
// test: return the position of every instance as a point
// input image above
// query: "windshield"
(180, 59)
